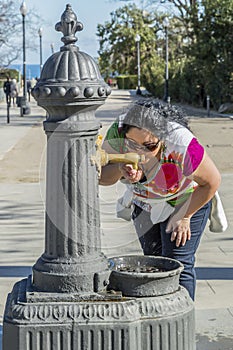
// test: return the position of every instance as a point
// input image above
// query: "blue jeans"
(155, 241)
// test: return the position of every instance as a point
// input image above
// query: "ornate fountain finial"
(69, 25)
(69, 76)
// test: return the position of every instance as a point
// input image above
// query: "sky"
(89, 13)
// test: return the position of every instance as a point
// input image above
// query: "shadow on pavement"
(214, 273)
(203, 273)
(15, 271)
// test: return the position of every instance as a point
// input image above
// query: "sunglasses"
(147, 146)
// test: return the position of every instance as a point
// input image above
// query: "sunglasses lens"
(130, 144)
(152, 147)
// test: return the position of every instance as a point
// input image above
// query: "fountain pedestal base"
(68, 322)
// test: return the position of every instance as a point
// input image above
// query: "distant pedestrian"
(29, 89)
(13, 90)
(7, 90)
(33, 82)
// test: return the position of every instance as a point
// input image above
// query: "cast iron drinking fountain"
(77, 298)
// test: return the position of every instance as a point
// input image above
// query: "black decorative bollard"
(65, 304)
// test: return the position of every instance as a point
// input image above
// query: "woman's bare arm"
(208, 179)
(110, 174)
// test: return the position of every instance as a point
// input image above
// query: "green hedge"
(127, 82)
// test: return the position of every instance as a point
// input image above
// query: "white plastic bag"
(123, 206)
(217, 217)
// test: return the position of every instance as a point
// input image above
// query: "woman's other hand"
(180, 230)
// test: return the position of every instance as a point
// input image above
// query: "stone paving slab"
(214, 329)
(12, 132)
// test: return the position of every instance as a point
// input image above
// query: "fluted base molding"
(35, 321)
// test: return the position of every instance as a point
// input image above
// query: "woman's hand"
(129, 173)
(180, 230)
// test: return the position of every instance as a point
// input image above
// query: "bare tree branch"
(11, 31)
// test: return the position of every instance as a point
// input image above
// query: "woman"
(172, 189)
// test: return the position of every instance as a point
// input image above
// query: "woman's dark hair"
(154, 116)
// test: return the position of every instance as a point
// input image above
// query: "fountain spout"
(102, 158)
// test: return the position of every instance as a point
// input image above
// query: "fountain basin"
(143, 276)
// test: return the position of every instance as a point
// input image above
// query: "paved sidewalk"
(17, 128)
(22, 222)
